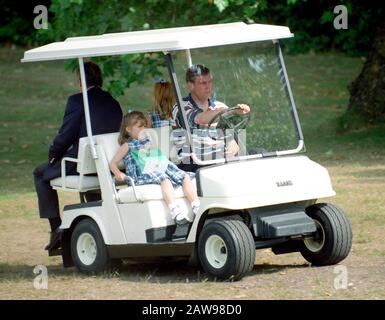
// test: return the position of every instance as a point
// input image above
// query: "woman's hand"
(120, 176)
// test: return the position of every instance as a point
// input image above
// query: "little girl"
(164, 101)
(132, 138)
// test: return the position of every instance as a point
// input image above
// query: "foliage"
(88, 17)
(311, 21)
(17, 21)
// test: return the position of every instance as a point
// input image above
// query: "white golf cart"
(264, 197)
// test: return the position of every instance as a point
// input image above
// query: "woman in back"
(164, 101)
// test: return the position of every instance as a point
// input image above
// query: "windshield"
(248, 74)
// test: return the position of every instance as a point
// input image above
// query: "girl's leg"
(168, 194)
(188, 189)
(191, 194)
(167, 191)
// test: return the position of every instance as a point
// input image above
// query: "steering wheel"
(224, 120)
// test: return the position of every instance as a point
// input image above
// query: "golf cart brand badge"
(284, 183)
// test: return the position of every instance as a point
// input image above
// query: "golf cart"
(265, 196)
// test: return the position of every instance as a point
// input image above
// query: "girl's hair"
(129, 120)
(164, 99)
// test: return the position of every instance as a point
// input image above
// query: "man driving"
(201, 108)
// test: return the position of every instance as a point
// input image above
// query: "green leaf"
(327, 16)
(221, 4)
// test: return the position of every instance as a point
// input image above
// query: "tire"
(226, 249)
(89, 253)
(333, 238)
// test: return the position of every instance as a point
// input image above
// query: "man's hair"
(93, 74)
(195, 71)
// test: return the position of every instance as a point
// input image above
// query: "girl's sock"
(174, 209)
(195, 206)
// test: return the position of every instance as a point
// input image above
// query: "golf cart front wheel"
(332, 241)
(226, 249)
(88, 250)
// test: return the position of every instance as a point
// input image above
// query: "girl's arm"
(120, 176)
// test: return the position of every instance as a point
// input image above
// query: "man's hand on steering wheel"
(223, 118)
(243, 108)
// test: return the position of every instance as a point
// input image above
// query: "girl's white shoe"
(180, 216)
(195, 206)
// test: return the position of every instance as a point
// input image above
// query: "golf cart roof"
(159, 40)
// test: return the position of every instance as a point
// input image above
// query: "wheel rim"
(316, 243)
(86, 248)
(216, 251)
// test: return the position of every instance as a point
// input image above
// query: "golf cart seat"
(85, 165)
(74, 183)
(146, 193)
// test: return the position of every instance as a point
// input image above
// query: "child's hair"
(164, 99)
(129, 120)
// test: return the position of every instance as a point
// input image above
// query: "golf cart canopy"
(160, 40)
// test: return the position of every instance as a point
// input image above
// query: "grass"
(32, 101)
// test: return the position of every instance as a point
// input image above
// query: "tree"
(367, 91)
(312, 23)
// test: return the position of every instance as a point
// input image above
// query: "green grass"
(320, 88)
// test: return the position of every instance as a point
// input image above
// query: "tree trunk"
(367, 91)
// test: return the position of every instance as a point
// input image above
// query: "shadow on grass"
(150, 272)
(180, 272)
(273, 268)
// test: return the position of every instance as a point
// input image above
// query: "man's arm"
(203, 118)
(68, 132)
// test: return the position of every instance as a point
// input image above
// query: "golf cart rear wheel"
(88, 250)
(226, 249)
(332, 241)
